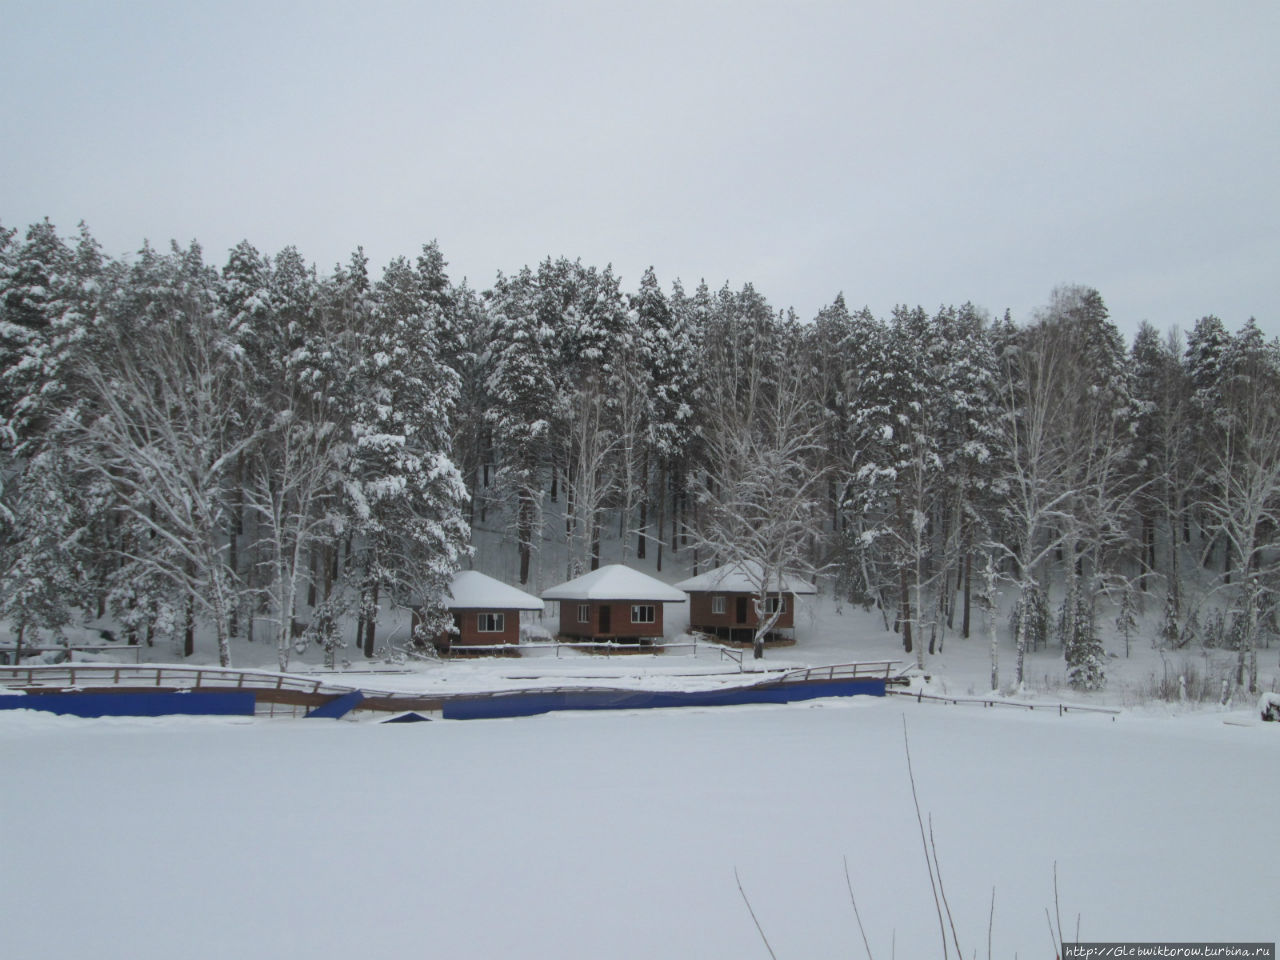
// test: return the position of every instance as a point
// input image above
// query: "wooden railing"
(65, 675)
(727, 653)
(862, 670)
(1062, 708)
(9, 650)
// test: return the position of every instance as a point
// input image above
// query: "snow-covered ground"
(827, 633)
(617, 834)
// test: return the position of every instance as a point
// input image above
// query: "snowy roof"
(734, 578)
(472, 590)
(615, 582)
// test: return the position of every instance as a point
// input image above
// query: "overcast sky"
(924, 153)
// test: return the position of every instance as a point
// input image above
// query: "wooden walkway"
(277, 694)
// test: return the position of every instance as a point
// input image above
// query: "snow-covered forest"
(263, 442)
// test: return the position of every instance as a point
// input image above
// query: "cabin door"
(606, 617)
(742, 610)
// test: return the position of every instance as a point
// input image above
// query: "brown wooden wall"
(465, 620)
(468, 632)
(701, 617)
(620, 613)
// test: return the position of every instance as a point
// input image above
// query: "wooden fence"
(1061, 708)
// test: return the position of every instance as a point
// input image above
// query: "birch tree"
(592, 443)
(161, 427)
(760, 490)
(1243, 470)
(1037, 466)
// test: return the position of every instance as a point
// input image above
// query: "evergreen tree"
(35, 292)
(1126, 621)
(1086, 661)
(42, 579)
(468, 351)
(522, 389)
(405, 493)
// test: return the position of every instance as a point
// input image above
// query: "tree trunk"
(1020, 635)
(189, 629)
(131, 631)
(676, 506)
(662, 511)
(360, 616)
(371, 623)
(1247, 658)
(992, 611)
(905, 606)
(313, 569)
(1148, 550)
(220, 629)
(1175, 572)
(643, 533)
(524, 533)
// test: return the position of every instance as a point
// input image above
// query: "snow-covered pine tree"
(678, 403)
(522, 390)
(1126, 618)
(1086, 661)
(653, 324)
(899, 475)
(968, 435)
(1207, 372)
(36, 290)
(629, 386)
(41, 565)
(1163, 454)
(867, 575)
(471, 359)
(405, 494)
(822, 346)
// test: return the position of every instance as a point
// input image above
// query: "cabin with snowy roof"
(722, 602)
(613, 603)
(485, 611)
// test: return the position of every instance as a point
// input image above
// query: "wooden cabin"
(485, 611)
(613, 603)
(722, 603)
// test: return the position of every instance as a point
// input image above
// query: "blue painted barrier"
(536, 702)
(339, 706)
(187, 703)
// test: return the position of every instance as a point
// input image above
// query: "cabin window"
(717, 606)
(490, 622)
(775, 604)
(642, 613)
(584, 613)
